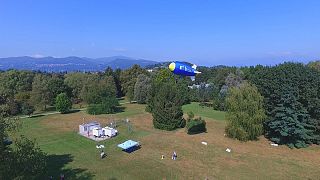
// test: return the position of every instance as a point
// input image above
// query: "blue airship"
(183, 69)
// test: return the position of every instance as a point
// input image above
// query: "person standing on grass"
(174, 155)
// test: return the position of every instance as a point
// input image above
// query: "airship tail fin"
(194, 66)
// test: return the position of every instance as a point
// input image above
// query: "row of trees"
(282, 101)
(292, 102)
(22, 92)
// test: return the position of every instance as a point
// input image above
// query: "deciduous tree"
(142, 88)
(63, 103)
(128, 79)
(245, 113)
(40, 94)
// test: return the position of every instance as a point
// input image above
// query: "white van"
(97, 132)
(110, 132)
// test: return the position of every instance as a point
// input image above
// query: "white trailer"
(108, 131)
(97, 132)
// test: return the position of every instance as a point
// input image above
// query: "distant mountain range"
(72, 63)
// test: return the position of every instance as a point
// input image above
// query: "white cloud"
(38, 56)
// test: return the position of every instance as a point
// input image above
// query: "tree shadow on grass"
(132, 149)
(72, 111)
(50, 108)
(56, 167)
(36, 115)
(119, 109)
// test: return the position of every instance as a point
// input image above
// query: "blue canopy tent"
(129, 146)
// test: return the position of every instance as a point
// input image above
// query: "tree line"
(281, 102)
(23, 92)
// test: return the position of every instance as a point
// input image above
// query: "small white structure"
(228, 150)
(86, 128)
(94, 131)
(97, 132)
(108, 131)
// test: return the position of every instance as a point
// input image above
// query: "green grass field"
(77, 157)
(203, 111)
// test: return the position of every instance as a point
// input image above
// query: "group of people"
(173, 157)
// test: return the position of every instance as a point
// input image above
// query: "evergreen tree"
(116, 77)
(245, 113)
(164, 76)
(167, 107)
(291, 123)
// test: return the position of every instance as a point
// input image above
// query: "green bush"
(237, 133)
(195, 126)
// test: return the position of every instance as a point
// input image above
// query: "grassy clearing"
(204, 111)
(77, 157)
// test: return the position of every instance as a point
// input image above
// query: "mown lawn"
(204, 111)
(78, 158)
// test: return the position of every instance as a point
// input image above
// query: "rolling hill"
(72, 63)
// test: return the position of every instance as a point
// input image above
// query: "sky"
(205, 32)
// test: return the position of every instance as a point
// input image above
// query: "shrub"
(190, 115)
(195, 126)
